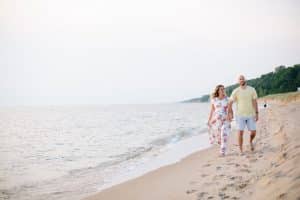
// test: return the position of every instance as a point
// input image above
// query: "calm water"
(63, 152)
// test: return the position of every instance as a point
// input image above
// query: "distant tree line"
(283, 79)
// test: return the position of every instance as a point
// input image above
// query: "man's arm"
(254, 101)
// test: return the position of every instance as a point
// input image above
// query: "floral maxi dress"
(219, 128)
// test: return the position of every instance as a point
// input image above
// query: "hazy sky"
(137, 51)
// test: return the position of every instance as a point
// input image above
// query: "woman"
(219, 119)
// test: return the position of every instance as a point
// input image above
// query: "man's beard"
(243, 83)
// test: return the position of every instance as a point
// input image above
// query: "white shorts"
(242, 122)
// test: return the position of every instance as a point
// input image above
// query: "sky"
(138, 51)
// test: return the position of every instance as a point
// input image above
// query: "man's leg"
(252, 136)
(240, 140)
(241, 123)
(252, 127)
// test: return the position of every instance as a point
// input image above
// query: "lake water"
(69, 152)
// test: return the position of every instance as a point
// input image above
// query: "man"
(246, 110)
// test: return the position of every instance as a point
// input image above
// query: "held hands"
(208, 123)
(229, 117)
(256, 117)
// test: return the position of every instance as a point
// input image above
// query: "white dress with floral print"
(220, 128)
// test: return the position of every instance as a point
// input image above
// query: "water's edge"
(170, 155)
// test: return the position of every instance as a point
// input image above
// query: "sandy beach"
(270, 172)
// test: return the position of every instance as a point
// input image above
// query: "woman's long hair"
(216, 91)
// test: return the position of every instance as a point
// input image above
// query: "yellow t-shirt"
(243, 99)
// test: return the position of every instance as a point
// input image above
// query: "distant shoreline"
(287, 96)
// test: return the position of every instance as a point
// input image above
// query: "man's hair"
(241, 75)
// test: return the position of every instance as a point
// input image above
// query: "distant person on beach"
(246, 110)
(265, 104)
(218, 120)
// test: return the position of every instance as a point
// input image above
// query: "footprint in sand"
(282, 196)
(283, 155)
(274, 164)
(295, 179)
(245, 170)
(223, 195)
(253, 160)
(230, 185)
(204, 175)
(242, 185)
(236, 178)
(201, 195)
(224, 188)
(191, 191)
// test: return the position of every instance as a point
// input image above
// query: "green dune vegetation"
(283, 79)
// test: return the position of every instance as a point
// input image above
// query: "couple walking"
(221, 114)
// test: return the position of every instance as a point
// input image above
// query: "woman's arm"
(212, 109)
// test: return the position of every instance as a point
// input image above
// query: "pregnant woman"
(219, 120)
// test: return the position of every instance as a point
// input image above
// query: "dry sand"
(270, 172)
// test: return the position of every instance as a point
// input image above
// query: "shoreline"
(166, 156)
(204, 175)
